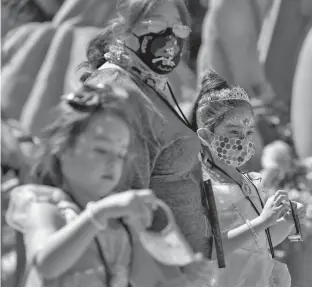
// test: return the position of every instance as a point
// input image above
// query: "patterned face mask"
(235, 151)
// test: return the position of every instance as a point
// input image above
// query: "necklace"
(246, 188)
(267, 231)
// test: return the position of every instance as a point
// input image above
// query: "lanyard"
(185, 120)
(182, 117)
(210, 204)
(267, 231)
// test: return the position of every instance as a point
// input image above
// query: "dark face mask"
(160, 52)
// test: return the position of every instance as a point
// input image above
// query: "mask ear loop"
(204, 149)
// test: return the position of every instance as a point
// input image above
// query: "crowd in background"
(244, 41)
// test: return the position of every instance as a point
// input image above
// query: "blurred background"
(265, 46)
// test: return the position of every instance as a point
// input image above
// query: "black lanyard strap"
(187, 123)
(210, 205)
(182, 117)
(267, 231)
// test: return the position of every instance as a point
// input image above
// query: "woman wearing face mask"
(138, 49)
(250, 227)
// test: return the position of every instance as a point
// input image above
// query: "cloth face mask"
(161, 52)
(234, 151)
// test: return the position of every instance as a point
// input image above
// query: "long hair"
(71, 119)
(129, 14)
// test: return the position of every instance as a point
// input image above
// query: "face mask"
(235, 151)
(160, 52)
(169, 245)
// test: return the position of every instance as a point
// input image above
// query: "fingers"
(144, 193)
(148, 197)
(143, 209)
(40, 188)
(199, 257)
(280, 193)
(281, 200)
(302, 214)
(282, 209)
(8, 185)
(146, 216)
(298, 207)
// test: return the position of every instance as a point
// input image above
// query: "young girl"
(250, 227)
(76, 237)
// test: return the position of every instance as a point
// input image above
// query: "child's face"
(232, 140)
(239, 122)
(96, 162)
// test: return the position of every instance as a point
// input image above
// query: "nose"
(110, 161)
(242, 135)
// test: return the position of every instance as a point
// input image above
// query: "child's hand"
(299, 209)
(135, 206)
(275, 207)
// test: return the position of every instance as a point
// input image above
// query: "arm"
(54, 245)
(237, 237)
(270, 215)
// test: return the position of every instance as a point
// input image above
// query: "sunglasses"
(180, 30)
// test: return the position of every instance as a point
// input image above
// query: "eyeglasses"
(180, 30)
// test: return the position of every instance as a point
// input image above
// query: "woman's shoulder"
(22, 198)
(108, 73)
(112, 74)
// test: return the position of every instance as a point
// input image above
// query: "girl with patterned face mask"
(232, 140)
(250, 225)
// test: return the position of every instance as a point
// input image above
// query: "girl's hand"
(299, 209)
(135, 206)
(275, 207)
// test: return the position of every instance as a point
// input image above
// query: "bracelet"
(97, 224)
(252, 230)
(250, 227)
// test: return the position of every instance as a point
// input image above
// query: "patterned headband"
(235, 93)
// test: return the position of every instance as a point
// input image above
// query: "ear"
(205, 136)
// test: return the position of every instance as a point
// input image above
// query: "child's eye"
(249, 133)
(100, 151)
(234, 132)
(121, 155)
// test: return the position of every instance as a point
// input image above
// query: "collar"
(131, 63)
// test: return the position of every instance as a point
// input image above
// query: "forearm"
(64, 247)
(237, 237)
(280, 231)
